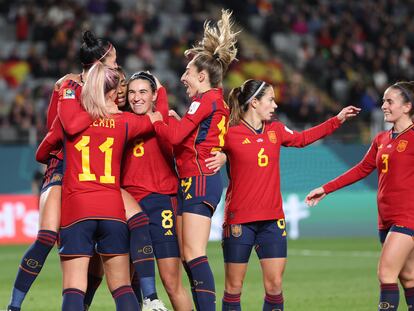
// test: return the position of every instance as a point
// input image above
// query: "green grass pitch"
(321, 274)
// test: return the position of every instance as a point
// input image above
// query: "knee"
(385, 276)
(273, 286)
(171, 284)
(407, 279)
(234, 286)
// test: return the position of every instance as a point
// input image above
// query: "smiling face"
(266, 105)
(122, 89)
(141, 98)
(394, 106)
(191, 79)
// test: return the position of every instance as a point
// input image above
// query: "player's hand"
(348, 113)
(315, 196)
(155, 116)
(172, 113)
(216, 161)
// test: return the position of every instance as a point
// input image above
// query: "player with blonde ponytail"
(195, 137)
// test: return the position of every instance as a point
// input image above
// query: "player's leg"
(196, 230)
(238, 241)
(113, 246)
(272, 251)
(95, 275)
(141, 250)
(49, 221)
(407, 281)
(75, 270)
(395, 252)
(160, 209)
(75, 249)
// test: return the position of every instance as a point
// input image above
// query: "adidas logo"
(246, 141)
(188, 197)
(169, 232)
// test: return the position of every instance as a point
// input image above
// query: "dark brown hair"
(240, 97)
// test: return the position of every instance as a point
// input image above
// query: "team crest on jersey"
(68, 94)
(193, 108)
(236, 230)
(272, 136)
(402, 145)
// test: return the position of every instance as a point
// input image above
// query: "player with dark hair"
(253, 212)
(67, 87)
(92, 205)
(148, 175)
(199, 133)
(392, 155)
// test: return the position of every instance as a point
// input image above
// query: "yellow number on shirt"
(83, 147)
(262, 159)
(167, 219)
(186, 183)
(384, 158)
(222, 126)
(105, 147)
(281, 223)
(139, 148)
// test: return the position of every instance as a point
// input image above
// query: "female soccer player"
(200, 132)
(92, 206)
(66, 88)
(392, 155)
(148, 175)
(253, 211)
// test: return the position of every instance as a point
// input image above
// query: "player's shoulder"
(70, 80)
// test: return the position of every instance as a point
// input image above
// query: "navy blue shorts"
(199, 194)
(53, 174)
(161, 210)
(394, 228)
(268, 238)
(108, 237)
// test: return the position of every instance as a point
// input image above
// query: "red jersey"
(148, 162)
(253, 193)
(66, 105)
(394, 160)
(91, 187)
(200, 131)
(52, 109)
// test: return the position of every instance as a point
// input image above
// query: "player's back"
(92, 171)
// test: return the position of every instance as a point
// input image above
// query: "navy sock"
(389, 297)
(203, 281)
(190, 279)
(93, 284)
(125, 299)
(142, 254)
(31, 265)
(72, 299)
(231, 302)
(136, 287)
(409, 298)
(273, 302)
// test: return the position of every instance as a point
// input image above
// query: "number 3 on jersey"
(105, 147)
(384, 158)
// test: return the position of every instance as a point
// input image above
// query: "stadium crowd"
(41, 39)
